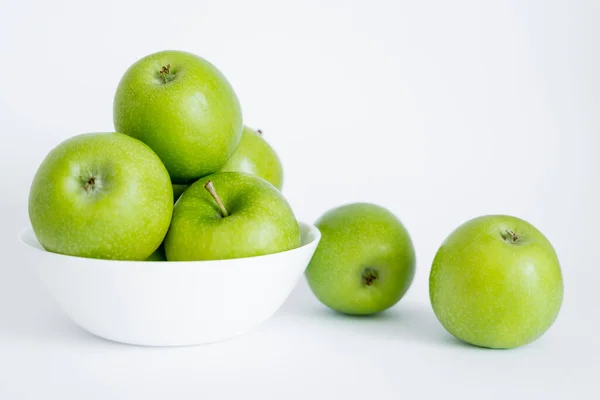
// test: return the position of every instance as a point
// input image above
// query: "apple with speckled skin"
(255, 155)
(496, 282)
(184, 108)
(230, 215)
(101, 195)
(365, 261)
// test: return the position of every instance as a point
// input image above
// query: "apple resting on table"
(496, 282)
(230, 215)
(183, 108)
(101, 195)
(365, 261)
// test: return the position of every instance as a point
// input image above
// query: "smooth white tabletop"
(305, 351)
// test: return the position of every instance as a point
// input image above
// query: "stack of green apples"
(184, 179)
(181, 178)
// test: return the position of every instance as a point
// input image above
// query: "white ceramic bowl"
(170, 303)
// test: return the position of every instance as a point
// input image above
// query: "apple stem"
(259, 132)
(512, 237)
(166, 74)
(211, 189)
(91, 184)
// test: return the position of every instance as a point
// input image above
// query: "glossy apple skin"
(255, 155)
(492, 289)
(193, 121)
(260, 222)
(124, 216)
(357, 238)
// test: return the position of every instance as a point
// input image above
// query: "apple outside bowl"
(158, 303)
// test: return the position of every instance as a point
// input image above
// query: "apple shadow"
(411, 321)
(408, 322)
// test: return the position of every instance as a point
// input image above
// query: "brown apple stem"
(211, 189)
(89, 184)
(166, 74)
(259, 132)
(511, 236)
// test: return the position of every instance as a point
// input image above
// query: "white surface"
(439, 110)
(170, 304)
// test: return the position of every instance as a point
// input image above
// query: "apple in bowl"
(254, 155)
(184, 108)
(100, 207)
(101, 195)
(230, 215)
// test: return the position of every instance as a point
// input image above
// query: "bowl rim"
(310, 230)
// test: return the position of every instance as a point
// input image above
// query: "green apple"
(101, 195)
(365, 261)
(496, 282)
(255, 156)
(230, 215)
(158, 255)
(183, 108)
(178, 189)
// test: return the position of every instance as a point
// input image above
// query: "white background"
(439, 110)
